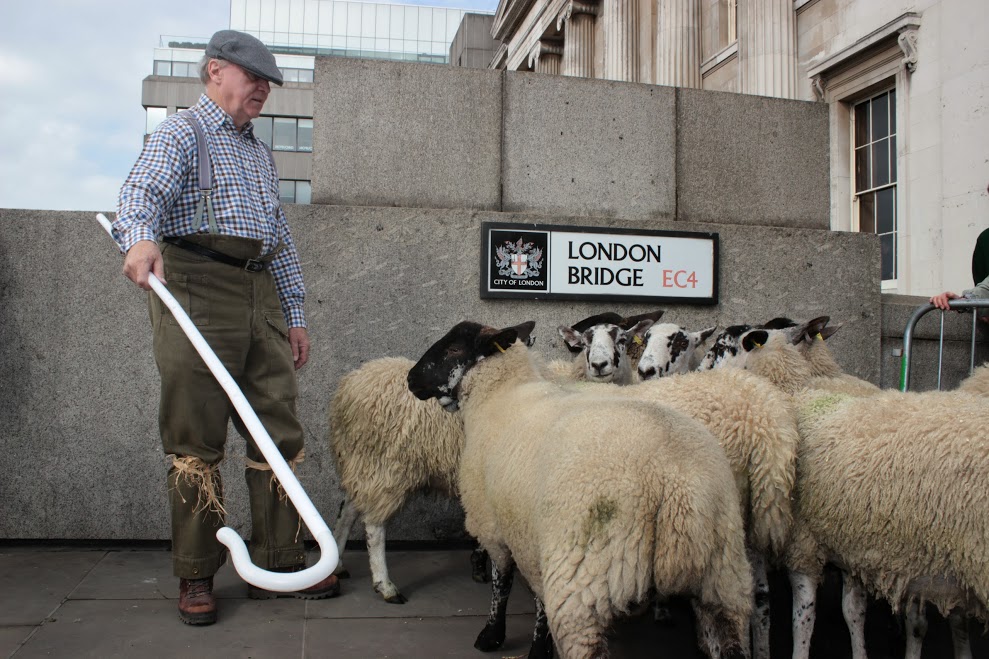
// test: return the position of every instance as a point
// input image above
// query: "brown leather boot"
(197, 606)
(328, 587)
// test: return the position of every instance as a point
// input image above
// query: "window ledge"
(902, 29)
(718, 59)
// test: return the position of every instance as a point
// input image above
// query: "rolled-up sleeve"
(152, 188)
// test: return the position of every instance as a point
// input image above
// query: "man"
(229, 259)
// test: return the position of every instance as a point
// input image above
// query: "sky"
(71, 121)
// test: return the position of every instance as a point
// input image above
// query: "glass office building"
(297, 31)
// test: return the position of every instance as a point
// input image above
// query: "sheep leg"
(853, 609)
(379, 569)
(479, 564)
(661, 613)
(760, 613)
(542, 640)
(916, 629)
(493, 634)
(959, 634)
(342, 527)
(804, 613)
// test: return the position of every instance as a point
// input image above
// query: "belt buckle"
(253, 265)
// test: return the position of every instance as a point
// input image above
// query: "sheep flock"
(666, 462)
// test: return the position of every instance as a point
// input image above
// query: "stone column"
(577, 23)
(621, 40)
(678, 43)
(545, 57)
(767, 48)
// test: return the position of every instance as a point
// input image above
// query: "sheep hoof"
(541, 648)
(490, 638)
(397, 598)
(390, 593)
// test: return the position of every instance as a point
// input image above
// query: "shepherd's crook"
(329, 554)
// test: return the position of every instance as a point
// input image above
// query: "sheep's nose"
(599, 366)
(647, 373)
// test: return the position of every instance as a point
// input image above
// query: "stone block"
(575, 146)
(752, 160)
(400, 134)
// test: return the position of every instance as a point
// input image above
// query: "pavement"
(65, 601)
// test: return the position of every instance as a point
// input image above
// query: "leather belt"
(251, 265)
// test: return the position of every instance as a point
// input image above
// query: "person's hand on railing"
(941, 301)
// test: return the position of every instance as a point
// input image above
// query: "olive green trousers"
(239, 315)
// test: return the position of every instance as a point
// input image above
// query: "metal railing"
(959, 304)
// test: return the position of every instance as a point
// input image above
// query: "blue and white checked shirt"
(160, 195)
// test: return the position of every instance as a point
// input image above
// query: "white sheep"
(603, 343)
(887, 489)
(670, 349)
(757, 429)
(977, 383)
(388, 445)
(596, 499)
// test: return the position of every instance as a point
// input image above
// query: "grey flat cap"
(245, 51)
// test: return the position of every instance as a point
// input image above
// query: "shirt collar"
(213, 117)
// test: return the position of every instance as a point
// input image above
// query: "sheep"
(591, 522)
(756, 427)
(977, 383)
(670, 349)
(725, 345)
(885, 490)
(388, 445)
(603, 342)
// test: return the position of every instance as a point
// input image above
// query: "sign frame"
(486, 264)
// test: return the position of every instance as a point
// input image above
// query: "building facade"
(297, 31)
(905, 81)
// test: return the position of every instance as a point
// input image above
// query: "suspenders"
(206, 171)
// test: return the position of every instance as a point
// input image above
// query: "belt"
(251, 265)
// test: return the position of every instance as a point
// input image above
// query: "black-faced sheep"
(592, 523)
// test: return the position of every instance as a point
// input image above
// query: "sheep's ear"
(573, 338)
(812, 328)
(630, 322)
(494, 341)
(705, 334)
(828, 332)
(754, 339)
(609, 317)
(781, 322)
(637, 330)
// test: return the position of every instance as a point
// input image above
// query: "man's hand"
(941, 301)
(298, 338)
(142, 258)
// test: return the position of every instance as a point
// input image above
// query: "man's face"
(240, 93)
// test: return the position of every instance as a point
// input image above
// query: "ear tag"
(500, 349)
(757, 345)
(819, 337)
(637, 339)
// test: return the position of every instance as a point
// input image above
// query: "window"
(284, 134)
(155, 117)
(163, 68)
(294, 192)
(262, 129)
(874, 128)
(732, 21)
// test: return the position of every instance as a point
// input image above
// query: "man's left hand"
(298, 338)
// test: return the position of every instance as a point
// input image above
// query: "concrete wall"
(390, 265)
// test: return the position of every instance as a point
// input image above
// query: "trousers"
(240, 316)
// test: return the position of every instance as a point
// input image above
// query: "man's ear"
(754, 339)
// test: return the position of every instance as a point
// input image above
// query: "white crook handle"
(329, 554)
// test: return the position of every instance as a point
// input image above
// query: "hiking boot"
(197, 606)
(328, 587)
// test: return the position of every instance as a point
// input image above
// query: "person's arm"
(980, 290)
(287, 273)
(150, 190)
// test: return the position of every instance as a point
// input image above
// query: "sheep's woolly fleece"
(757, 429)
(387, 443)
(825, 373)
(545, 476)
(892, 487)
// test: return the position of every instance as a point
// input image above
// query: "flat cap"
(245, 51)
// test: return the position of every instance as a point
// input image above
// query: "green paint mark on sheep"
(821, 406)
(599, 516)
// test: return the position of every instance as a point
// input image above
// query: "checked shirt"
(160, 195)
